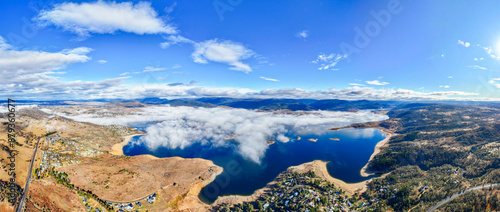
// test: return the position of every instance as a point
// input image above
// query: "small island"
(312, 139)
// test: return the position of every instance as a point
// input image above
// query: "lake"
(242, 176)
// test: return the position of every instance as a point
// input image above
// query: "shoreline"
(364, 172)
(117, 149)
(350, 188)
(317, 166)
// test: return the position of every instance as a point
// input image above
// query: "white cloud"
(302, 34)
(102, 61)
(477, 67)
(453, 93)
(228, 52)
(356, 84)
(376, 82)
(28, 73)
(151, 69)
(14, 62)
(169, 9)
(494, 82)
(221, 51)
(154, 69)
(490, 52)
(175, 39)
(4, 44)
(450, 77)
(349, 93)
(180, 127)
(479, 59)
(269, 79)
(465, 44)
(182, 84)
(444, 86)
(328, 61)
(285, 92)
(357, 93)
(79, 50)
(105, 18)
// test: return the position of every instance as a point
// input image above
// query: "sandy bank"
(117, 149)
(319, 167)
(364, 171)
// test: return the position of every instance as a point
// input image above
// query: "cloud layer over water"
(180, 127)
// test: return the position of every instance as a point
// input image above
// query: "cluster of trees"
(10, 191)
(88, 194)
(410, 187)
(386, 161)
(475, 201)
(425, 157)
(50, 133)
(440, 126)
(62, 178)
(436, 117)
(483, 134)
(240, 207)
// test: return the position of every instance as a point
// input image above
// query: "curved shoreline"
(317, 166)
(320, 168)
(117, 149)
(364, 172)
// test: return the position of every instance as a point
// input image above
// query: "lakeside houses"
(151, 199)
(301, 192)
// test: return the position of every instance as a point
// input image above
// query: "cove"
(242, 177)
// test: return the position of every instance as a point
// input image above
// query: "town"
(303, 192)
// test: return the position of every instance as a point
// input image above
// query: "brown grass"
(49, 195)
(129, 178)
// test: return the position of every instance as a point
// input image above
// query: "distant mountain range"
(260, 104)
(275, 104)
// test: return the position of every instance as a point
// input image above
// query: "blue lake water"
(242, 176)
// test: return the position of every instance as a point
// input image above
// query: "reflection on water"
(241, 176)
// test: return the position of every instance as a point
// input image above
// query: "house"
(151, 198)
(265, 206)
(128, 207)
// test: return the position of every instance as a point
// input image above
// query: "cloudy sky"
(390, 49)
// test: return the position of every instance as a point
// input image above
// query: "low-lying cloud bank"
(180, 127)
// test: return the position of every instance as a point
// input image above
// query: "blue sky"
(380, 50)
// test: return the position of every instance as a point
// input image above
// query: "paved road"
(28, 179)
(458, 194)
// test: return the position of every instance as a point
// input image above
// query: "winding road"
(28, 179)
(458, 194)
